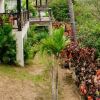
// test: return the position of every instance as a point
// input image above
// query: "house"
(20, 25)
(1, 6)
(44, 15)
(20, 22)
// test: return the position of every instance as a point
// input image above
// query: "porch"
(19, 20)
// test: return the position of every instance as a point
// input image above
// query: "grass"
(24, 73)
(20, 73)
(29, 77)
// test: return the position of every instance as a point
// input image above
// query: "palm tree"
(53, 46)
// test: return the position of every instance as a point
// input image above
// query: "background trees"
(88, 31)
(95, 7)
(59, 9)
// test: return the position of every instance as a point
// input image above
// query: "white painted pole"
(20, 36)
(19, 47)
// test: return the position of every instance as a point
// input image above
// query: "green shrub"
(54, 43)
(59, 9)
(31, 46)
(41, 29)
(88, 26)
(7, 45)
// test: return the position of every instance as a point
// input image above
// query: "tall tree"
(53, 46)
(72, 20)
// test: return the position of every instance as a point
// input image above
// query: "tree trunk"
(53, 85)
(72, 20)
(54, 80)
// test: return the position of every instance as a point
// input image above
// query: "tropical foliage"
(88, 26)
(54, 43)
(59, 9)
(32, 44)
(7, 45)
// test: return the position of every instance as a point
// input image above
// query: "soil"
(12, 88)
(19, 89)
(68, 88)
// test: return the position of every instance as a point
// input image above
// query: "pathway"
(68, 88)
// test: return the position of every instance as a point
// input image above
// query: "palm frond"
(54, 43)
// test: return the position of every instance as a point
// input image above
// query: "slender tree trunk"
(54, 80)
(57, 81)
(72, 20)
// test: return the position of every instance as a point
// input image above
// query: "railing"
(24, 17)
(17, 20)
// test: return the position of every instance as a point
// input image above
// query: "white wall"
(1, 6)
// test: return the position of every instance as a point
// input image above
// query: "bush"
(59, 9)
(31, 46)
(85, 65)
(7, 45)
(89, 27)
(54, 43)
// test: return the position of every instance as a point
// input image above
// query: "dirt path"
(68, 88)
(12, 89)
(33, 83)
(29, 83)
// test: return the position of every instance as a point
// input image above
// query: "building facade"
(1, 6)
(20, 29)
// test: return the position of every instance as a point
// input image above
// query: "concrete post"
(20, 37)
(19, 47)
(50, 28)
(25, 38)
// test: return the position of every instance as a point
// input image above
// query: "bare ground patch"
(30, 83)
(67, 86)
